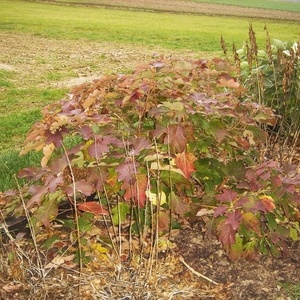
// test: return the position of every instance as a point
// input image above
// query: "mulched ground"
(261, 278)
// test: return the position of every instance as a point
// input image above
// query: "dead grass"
(108, 278)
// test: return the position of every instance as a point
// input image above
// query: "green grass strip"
(172, 31)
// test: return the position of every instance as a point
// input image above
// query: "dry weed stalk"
(272, 79)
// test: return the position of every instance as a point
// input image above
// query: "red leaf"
(185, 162)
(93, 207)
(136, 191)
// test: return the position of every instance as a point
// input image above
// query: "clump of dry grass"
(22, 277)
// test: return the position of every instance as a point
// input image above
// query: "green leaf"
(279, 44)
(236, 249)
(294, 234)
(119, 213)
(50, 242)
(271, 221)
(85, 222)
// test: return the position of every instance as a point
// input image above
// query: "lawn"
(172, 31)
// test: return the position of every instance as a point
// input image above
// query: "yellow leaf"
(98, 247)
(155, 199)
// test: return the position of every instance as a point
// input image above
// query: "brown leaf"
(91, 99)
(185, 162)
(163, 219)
(176, 138)
(177, 205)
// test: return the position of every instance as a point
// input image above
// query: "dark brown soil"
(260, 278)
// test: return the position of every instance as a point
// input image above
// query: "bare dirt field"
(179, 6)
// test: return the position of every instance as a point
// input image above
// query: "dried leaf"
(13, 288)
(205, 212)
(91, 99)
(47, 151)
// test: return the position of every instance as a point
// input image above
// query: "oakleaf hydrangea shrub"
(158, 145)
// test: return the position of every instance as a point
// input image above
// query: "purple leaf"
(53, 182)
(139, 144)
(81, 186)
(234, 219)
(86, 132)
(96, 178)
(220, 210)
(98, 147)
(226, 196)
(127, 170)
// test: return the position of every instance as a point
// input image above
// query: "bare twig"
(195, 272)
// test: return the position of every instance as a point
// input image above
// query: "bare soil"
(260, 278)
(181, 6)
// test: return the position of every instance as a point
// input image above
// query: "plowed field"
(178, 6)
